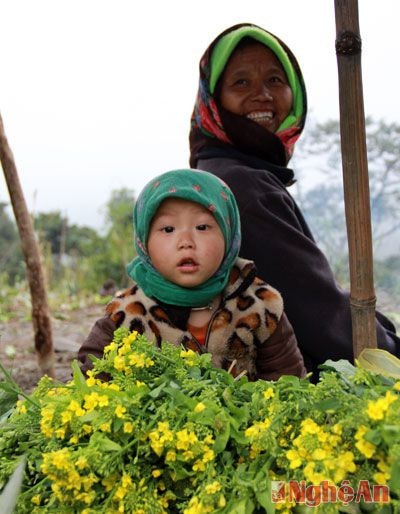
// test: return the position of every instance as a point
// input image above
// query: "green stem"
(15, 387)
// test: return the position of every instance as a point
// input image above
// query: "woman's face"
(255, 85)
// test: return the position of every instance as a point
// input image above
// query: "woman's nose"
(262, 92)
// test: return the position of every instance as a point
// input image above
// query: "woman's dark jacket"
(276, 237)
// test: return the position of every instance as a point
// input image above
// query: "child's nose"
(186, 241)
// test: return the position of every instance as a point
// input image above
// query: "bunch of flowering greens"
(152, 431)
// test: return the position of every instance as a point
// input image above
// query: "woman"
(250, 110)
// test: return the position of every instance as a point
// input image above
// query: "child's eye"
(168, 229)
(203, 226)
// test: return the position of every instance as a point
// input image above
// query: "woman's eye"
(203, 226)
(168, 229)
(276, 79)
(241, 82)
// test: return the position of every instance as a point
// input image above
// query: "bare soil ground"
(17, 353)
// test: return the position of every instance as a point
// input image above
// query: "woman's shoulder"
(242, 177)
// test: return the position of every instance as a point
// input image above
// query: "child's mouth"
(188, 265)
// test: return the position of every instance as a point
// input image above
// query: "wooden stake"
(355, 175)
(30, 248)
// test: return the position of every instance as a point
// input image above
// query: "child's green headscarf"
(207, 190)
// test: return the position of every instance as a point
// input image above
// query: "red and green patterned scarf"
(207, 117)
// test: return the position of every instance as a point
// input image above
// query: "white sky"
(96, 95)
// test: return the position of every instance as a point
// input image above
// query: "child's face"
(185, 242)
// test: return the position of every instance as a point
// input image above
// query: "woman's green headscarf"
(227, 44)
(207, 120)
(210, 192)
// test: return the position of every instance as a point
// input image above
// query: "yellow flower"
(196, 507)
(21, 408)
(47, 413)
(213, 488)
(185, 439)
(376, 410)
(198, 465)
(126, 480)
(131, 338)
(208, 455)
(269, 393)
(383, 475)
(308, 426)
(110, 347)
(199, 407)
(189, 356)
(139, 360)
(119, 363)
(294, 458)
(36, 499)
(312, 476)
(128, 427)
(66, 417)
(120, 411)
(59, 458)
(156, 473)
(81, 462)
(171, 456)
(106, 427)
(188, 455)
(365, 447)
(75, 407)
(91, 380)
(381, 478)
(319, 454)
(60, 433)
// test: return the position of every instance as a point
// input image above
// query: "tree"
(321, 148)
(322, 203)
(11, 259)
(55, 229)
(30, 248)
(117, 245)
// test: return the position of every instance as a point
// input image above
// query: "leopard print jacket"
(248, 332)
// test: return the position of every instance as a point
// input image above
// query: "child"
(191, 289)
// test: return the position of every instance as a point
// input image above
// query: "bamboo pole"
(355, 175)
(30, 248)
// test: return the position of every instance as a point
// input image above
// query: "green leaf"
(222, 428)
(8, 399)
(342, 366)
(9, 496)
(105, 444)
(79, 378)
(243, 506)
(330, 404)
